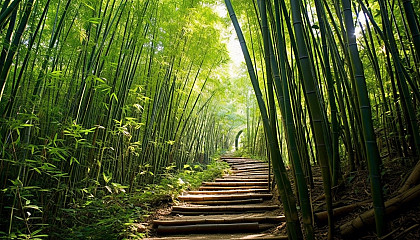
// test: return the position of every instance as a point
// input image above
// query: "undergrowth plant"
(114, 212)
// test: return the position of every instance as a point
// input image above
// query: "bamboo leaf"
(94, 20)
(106, 178)
(89, 6)
(113, 95)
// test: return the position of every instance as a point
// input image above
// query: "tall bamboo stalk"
(315, 110)
(368, 131)
(285, 190)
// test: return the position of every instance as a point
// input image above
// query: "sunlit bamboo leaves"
(105, 83)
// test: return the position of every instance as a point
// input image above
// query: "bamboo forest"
(209, 119)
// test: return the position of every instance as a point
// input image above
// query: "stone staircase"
(237, 206)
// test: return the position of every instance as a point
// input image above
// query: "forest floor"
(355, 188)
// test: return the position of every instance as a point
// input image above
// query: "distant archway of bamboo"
(237, 139)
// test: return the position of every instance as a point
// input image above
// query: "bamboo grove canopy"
(94, 92)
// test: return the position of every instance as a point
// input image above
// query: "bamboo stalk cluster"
(345, 75)
(101, 92)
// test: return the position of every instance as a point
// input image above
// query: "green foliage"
(98, 102)
(100, 98)
(113, 212)
(193, 176)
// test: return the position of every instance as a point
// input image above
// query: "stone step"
(225, 197)
(213, 188)
(231, 207)
(234, 184)
(219, 219)
(249, 173)
(228, 202)
(239, 179)
(225, 236)
(198, 210)
(210, 228)
(251, 166)
(261, 190)
(250, 170)
(254, 176)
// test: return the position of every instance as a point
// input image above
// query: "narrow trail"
(236, 206)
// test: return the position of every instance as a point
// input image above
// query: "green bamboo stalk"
(349, 81)
(293, 225)
(344, 118)
(7, 11)
(374, 61)
(368, 131)
(7, 43)
(51, 45)
(315, 111)
(327, 72)
(14, 47)
(413, 25)
(284, 100)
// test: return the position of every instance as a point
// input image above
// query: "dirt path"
(237, 206)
